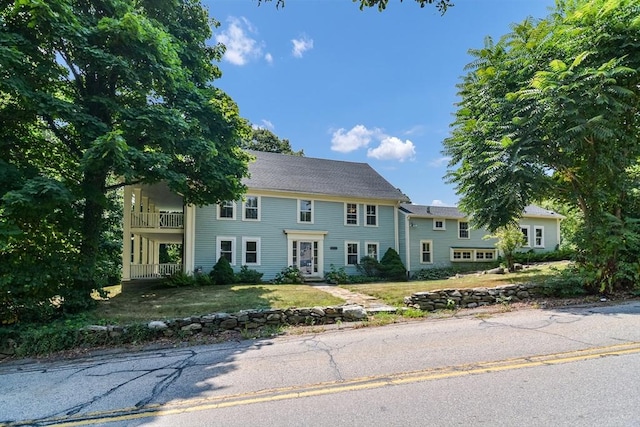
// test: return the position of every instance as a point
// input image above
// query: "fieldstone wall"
(246, 320)
(474, 297)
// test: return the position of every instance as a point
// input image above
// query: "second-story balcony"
(161, 220)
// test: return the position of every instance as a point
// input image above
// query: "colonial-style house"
(306, 212)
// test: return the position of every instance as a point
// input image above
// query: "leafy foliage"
(94, 96)
(222, 273)
(551, 110)
(248, 276)
(289, 275)
(441, 5)
(369, 266)
(509, 240)
(337, 276)
(391, 266)
(265, 140)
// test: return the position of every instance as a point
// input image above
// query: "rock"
(354, 312)
(193, 327)
(95, 328)
(229, 323)
(498, 270)
(157, 325)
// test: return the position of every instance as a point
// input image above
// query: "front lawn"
(144, 302)
(393, 293)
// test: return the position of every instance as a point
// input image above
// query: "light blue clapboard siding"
(443, 241)
(279, 214)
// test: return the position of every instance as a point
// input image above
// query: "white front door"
(306, 258)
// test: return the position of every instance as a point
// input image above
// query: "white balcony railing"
(153, 271)
(157, 220)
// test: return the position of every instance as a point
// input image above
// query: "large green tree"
(262, 139)
(552, 110)
(441, 5)
(94, 95)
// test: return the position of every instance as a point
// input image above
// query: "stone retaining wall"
(474, 297)
(246, 320)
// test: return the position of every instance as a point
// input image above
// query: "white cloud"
(269, 58)
(437, 202)
(392, 148)
(241, 47)
(415, 130)
(265, 124)
(347, 141)
(440, 162)
(301, 45)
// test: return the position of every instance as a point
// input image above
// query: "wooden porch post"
(126, 234)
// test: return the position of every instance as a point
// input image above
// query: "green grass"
(393, 293)
(144, 302)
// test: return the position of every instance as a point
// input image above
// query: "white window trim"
(346, 207)
(430, 242)
(219, 211)
(468, 230)
(473, 254)
(366, 215)
(219, 240)
(444, 224)
(244, 209)
(528, 242)
(377, 244)
(346, 252)
(536, 228)
(312, 212)
(245, 240)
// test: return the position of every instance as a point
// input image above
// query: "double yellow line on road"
(333, 387)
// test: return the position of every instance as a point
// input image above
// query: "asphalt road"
(573, 367)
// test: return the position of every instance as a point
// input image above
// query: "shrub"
(249, 276)
(434, 273)
(180, 279)
(202, 279)
(531, 256)
(391, 266)
(337, 276)
(222, 273)
(568, 283)
(289, 275)
(369, 266)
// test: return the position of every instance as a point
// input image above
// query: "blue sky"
(360, 86)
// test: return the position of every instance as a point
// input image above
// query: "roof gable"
(297, 174)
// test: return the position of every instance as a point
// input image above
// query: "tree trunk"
(88, 277)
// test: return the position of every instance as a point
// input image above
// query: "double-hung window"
(372, 249)
(352, 253)
(227, 210)
(226, 248)
(371, 215)
(305, 211)
(351, 213)
(251, 209)
(463, 230)
(538, 236)
(525, 234)
(426, 251)
(251, 251)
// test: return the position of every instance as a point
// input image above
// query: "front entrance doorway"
(306, 251)
(307, 257)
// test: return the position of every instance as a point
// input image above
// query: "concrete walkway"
(371, 304)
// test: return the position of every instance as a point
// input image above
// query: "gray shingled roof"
(281, 172)
(453, 212)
